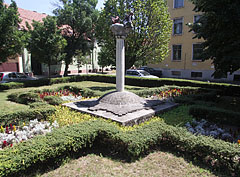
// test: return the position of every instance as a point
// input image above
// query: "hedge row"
(214, 114)
(28, 97)
(207, 95)
(228, 89)
(49, 149)
(41, 113)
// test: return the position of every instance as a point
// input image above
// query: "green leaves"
(219, 27)
(46, 42)
(11, 37)
(147, 43)
(77, 18)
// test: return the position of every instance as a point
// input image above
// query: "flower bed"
(172, 93)
(11, 134)
(131, 145)
(203, 127)
(65, 95)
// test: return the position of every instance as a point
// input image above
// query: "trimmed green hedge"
(49, 149)
(227, 89)
(53, 100)
(33, 96)
(214, 114)
(40, 113)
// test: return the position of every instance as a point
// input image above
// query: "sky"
(43, 6)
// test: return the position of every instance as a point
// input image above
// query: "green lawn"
(159, 164)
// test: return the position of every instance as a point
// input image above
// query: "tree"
(149, 39)
(46, 42)
(77, 19)
(11, 38)
(219, 26)
(82, 59)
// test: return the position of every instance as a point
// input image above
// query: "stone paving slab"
(127, 119)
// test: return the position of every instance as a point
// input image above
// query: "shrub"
(26, 115)
(64, 141)
(27, 97)
(214, 114)
(24, 97)
(39, 104)
(11, 85)
(53, 100)
(227, 89)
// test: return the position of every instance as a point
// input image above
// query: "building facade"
(183, 60)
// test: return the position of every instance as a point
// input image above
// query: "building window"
(176, 52)
(197, 51)
(196, 74)
(178, 3)
(176, 73)
(177, 26)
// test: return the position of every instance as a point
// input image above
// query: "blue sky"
(42, 6)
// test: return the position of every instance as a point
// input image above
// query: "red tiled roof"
(29, 16)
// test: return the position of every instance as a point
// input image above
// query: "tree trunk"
(49, 69)
(66, 69)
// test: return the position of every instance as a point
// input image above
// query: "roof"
(29, 16)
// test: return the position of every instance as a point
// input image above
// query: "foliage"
(11, 38)
(77, 19)
(214, 114)
(24, 97)
(219, 27)
(38, 104)
(65, 116)
(53, 100)
(17, 117)
(226, 89)
(177, 117)
(46, 42)
(62, 142)
(148, 41)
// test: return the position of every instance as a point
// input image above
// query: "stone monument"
(122, 106)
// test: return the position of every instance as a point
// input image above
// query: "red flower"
(5, 144)
(11, 127)
(7, 131)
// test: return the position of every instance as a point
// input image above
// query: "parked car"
(152, 71)
(139, 73)
(14, 77)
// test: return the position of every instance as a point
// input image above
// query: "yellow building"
(183, 60)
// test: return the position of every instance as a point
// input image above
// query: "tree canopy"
(149, 39)
(11, 37)
(46, 42)
(77, 19)
(219, 26)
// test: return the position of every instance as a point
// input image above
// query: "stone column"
(120, 33)
(120, 63)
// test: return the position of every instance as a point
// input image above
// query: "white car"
(14, 77)
(139, 73)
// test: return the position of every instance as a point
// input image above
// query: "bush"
(24, 97)
(39, 104)
(227, 89)
(49, 149)
(11, 85)
(18, 117)
(214, 114)
(53, 100)
(28, 97)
